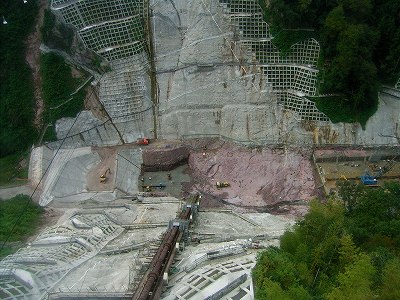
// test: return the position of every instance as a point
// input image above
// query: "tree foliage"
(19, 218)
(16, 85)
(355, 281)
(57, 86)
(346, 246)
(360, 42)
(390, 288)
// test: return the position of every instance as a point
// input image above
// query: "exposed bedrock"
(164, 156)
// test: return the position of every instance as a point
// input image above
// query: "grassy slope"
(57, 86)
(19, 218)
(14, 169)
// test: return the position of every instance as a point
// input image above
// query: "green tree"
(16, 85)
(355, 281)
(375, 220)
(348, 251)
(349, 193)
(391, 278)
(336, 252)
(334, 24)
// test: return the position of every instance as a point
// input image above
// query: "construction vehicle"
(103, 177)
(372, 180)
(143, 141)
(221, 184)
(148, 188)
(368, 179)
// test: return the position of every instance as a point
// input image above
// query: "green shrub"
(19, 218)
(13, 168)
(340, 109)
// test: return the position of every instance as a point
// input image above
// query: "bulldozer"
(221, 184)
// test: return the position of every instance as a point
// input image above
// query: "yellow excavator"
(103, 177)
(221, 184)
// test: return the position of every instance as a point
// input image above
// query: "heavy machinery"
(143, 141)
(369, 179)
(221, 184)
(372, 180)
(103, 177)
(148, 188)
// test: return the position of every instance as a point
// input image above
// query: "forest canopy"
(360, 42)
(16, 83)
(347, 246)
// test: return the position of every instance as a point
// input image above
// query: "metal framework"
(293, 76)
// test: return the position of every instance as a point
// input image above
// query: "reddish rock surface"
(258, 177)
(164, 156)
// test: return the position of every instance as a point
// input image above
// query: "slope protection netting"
(292, 75)
(114, 29)
(122, 94)
(86, 13)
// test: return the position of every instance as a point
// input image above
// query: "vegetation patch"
(360, 42)
(56, 34)
(340, 109)
(287, 38)
(14, 169)
(16, 85)
(19, 218)
(347, 246)
(58, 87)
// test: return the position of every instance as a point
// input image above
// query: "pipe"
(159, 261)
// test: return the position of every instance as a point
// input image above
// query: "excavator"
(103, 177)
(372, 180)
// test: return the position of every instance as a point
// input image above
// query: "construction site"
(199, 148)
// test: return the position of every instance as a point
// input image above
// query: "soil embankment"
(32, 57)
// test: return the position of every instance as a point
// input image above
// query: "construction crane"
(372, 180)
